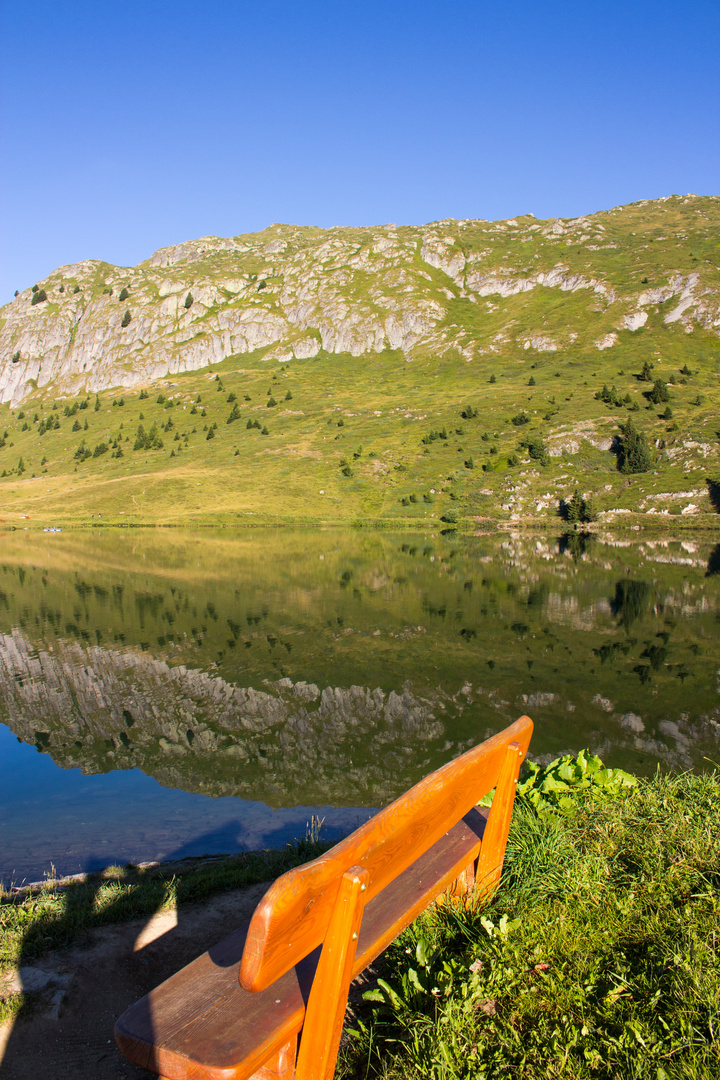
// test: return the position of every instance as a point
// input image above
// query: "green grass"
(295, 472)
(598, 958)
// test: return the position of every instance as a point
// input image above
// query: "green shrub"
(189, 301)
(520, 419)
(579, 510)
(148, 440)
(123, 294)
(610, 397)
(38, 297)
(536, 449)
(659, 392)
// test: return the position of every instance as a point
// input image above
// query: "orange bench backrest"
(292, 918)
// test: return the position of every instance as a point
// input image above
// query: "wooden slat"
(202, 1025)
(292, 918)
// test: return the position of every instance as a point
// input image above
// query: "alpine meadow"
(456, 374)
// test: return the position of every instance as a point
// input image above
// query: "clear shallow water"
(182, 693)
(59, 818)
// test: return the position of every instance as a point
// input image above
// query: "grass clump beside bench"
(599, 957)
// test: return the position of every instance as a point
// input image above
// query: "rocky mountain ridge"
(458, 288)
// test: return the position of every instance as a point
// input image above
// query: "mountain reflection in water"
(336, 668)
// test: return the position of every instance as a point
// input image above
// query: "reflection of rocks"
(689, 737)
(693, 739)
(632, 722)
(98, 709)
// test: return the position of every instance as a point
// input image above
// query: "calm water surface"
(169, 693)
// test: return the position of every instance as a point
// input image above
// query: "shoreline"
(629, 522)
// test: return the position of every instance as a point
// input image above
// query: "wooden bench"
(240, 1010)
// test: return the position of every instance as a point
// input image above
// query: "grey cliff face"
(290, 292)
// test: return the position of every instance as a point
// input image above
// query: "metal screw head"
(354, 937)
(363, 887)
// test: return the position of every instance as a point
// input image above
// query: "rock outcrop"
(291, 292)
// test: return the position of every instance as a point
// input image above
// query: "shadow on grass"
(80, 1034)
(714, 492)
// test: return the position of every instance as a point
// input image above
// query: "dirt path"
(69, 1034)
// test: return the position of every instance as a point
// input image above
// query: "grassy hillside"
(381, 437)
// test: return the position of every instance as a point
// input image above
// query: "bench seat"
(200, 1024)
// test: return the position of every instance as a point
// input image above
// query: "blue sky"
(128, 127)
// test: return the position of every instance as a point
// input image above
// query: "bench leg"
(326, 1006)
(462, 887)
(281, 1066)
(494, 841)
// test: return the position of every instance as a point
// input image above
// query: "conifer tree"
(634, 456)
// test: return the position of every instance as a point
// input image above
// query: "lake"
(166, 693)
